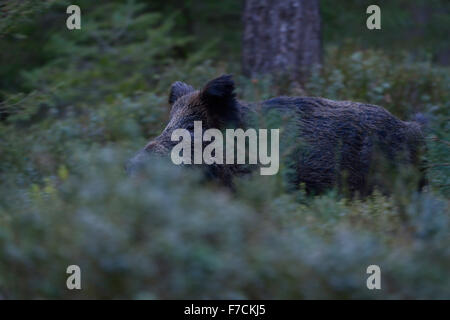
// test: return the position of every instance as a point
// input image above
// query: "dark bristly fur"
(342, 136)
(179, 89)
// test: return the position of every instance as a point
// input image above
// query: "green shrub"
(167, 236)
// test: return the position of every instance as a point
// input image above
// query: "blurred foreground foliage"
(97, 96)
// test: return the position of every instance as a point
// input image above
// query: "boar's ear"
(177, 90)
(220, 100)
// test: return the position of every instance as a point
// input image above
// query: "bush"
(167, 236)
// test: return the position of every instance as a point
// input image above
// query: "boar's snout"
(138, 162)
(142, 158)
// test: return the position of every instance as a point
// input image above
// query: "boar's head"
(215, 105)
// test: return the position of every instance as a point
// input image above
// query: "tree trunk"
(281, 37)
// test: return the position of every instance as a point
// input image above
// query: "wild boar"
(340, 140)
